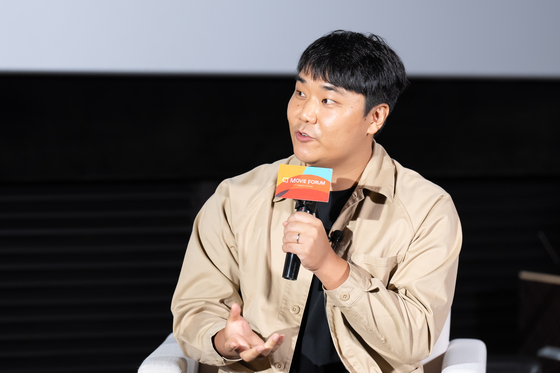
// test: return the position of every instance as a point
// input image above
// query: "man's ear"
(376, 117)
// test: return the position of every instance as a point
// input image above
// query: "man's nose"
(308, 112)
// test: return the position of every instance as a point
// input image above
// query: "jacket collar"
(378, 176)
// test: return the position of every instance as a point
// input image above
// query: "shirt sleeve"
(208, 283)
(397, 306)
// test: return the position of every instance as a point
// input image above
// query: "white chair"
(457, 356)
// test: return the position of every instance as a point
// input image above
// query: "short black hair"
(361, 63)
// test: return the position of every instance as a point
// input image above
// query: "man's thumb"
(235, 312)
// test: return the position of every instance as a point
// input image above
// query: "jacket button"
(295, 309)
(344, 296)
(279, 365)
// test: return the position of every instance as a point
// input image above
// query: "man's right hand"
(237, 340)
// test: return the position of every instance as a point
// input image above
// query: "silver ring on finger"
(297, 238)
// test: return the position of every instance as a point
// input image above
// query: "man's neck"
(346, 176)
(343, 184)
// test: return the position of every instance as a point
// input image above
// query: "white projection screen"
(501, 38)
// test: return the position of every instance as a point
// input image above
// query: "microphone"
(306, 185)
(292, 262)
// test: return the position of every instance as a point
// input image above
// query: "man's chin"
(310, 159)
(304, 158)
(312, 162)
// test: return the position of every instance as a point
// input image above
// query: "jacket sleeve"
(208, 283)
(397, 306)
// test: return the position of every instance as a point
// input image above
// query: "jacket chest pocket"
(380, 268)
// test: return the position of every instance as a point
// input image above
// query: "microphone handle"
(292, 263)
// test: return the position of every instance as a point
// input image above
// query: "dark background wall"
(101, 177)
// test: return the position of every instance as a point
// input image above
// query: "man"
(378, 301)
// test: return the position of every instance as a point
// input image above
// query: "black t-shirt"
(315, 352)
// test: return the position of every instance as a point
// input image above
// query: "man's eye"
(328, 101)
(299, 93)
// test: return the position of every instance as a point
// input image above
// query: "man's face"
(328, 126)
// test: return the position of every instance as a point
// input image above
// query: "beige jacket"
(402, 238)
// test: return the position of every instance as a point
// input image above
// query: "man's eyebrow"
(326, 87)
(330, 87)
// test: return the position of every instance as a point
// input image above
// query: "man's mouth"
(302, 136)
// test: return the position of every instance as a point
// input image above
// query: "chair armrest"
(465, 355)
(168, 358)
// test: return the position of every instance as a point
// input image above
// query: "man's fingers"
(296, 227)
(279, 342)
(293, 237)
(252, 353)
(291, 248)
(234, 313)
(246, 343)
(272, 344)
(231, 345)
(236, 344)
(300, 217)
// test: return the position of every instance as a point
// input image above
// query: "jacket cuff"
(213, 354)
(358, 282)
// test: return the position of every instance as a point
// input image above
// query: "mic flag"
(305, 185)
